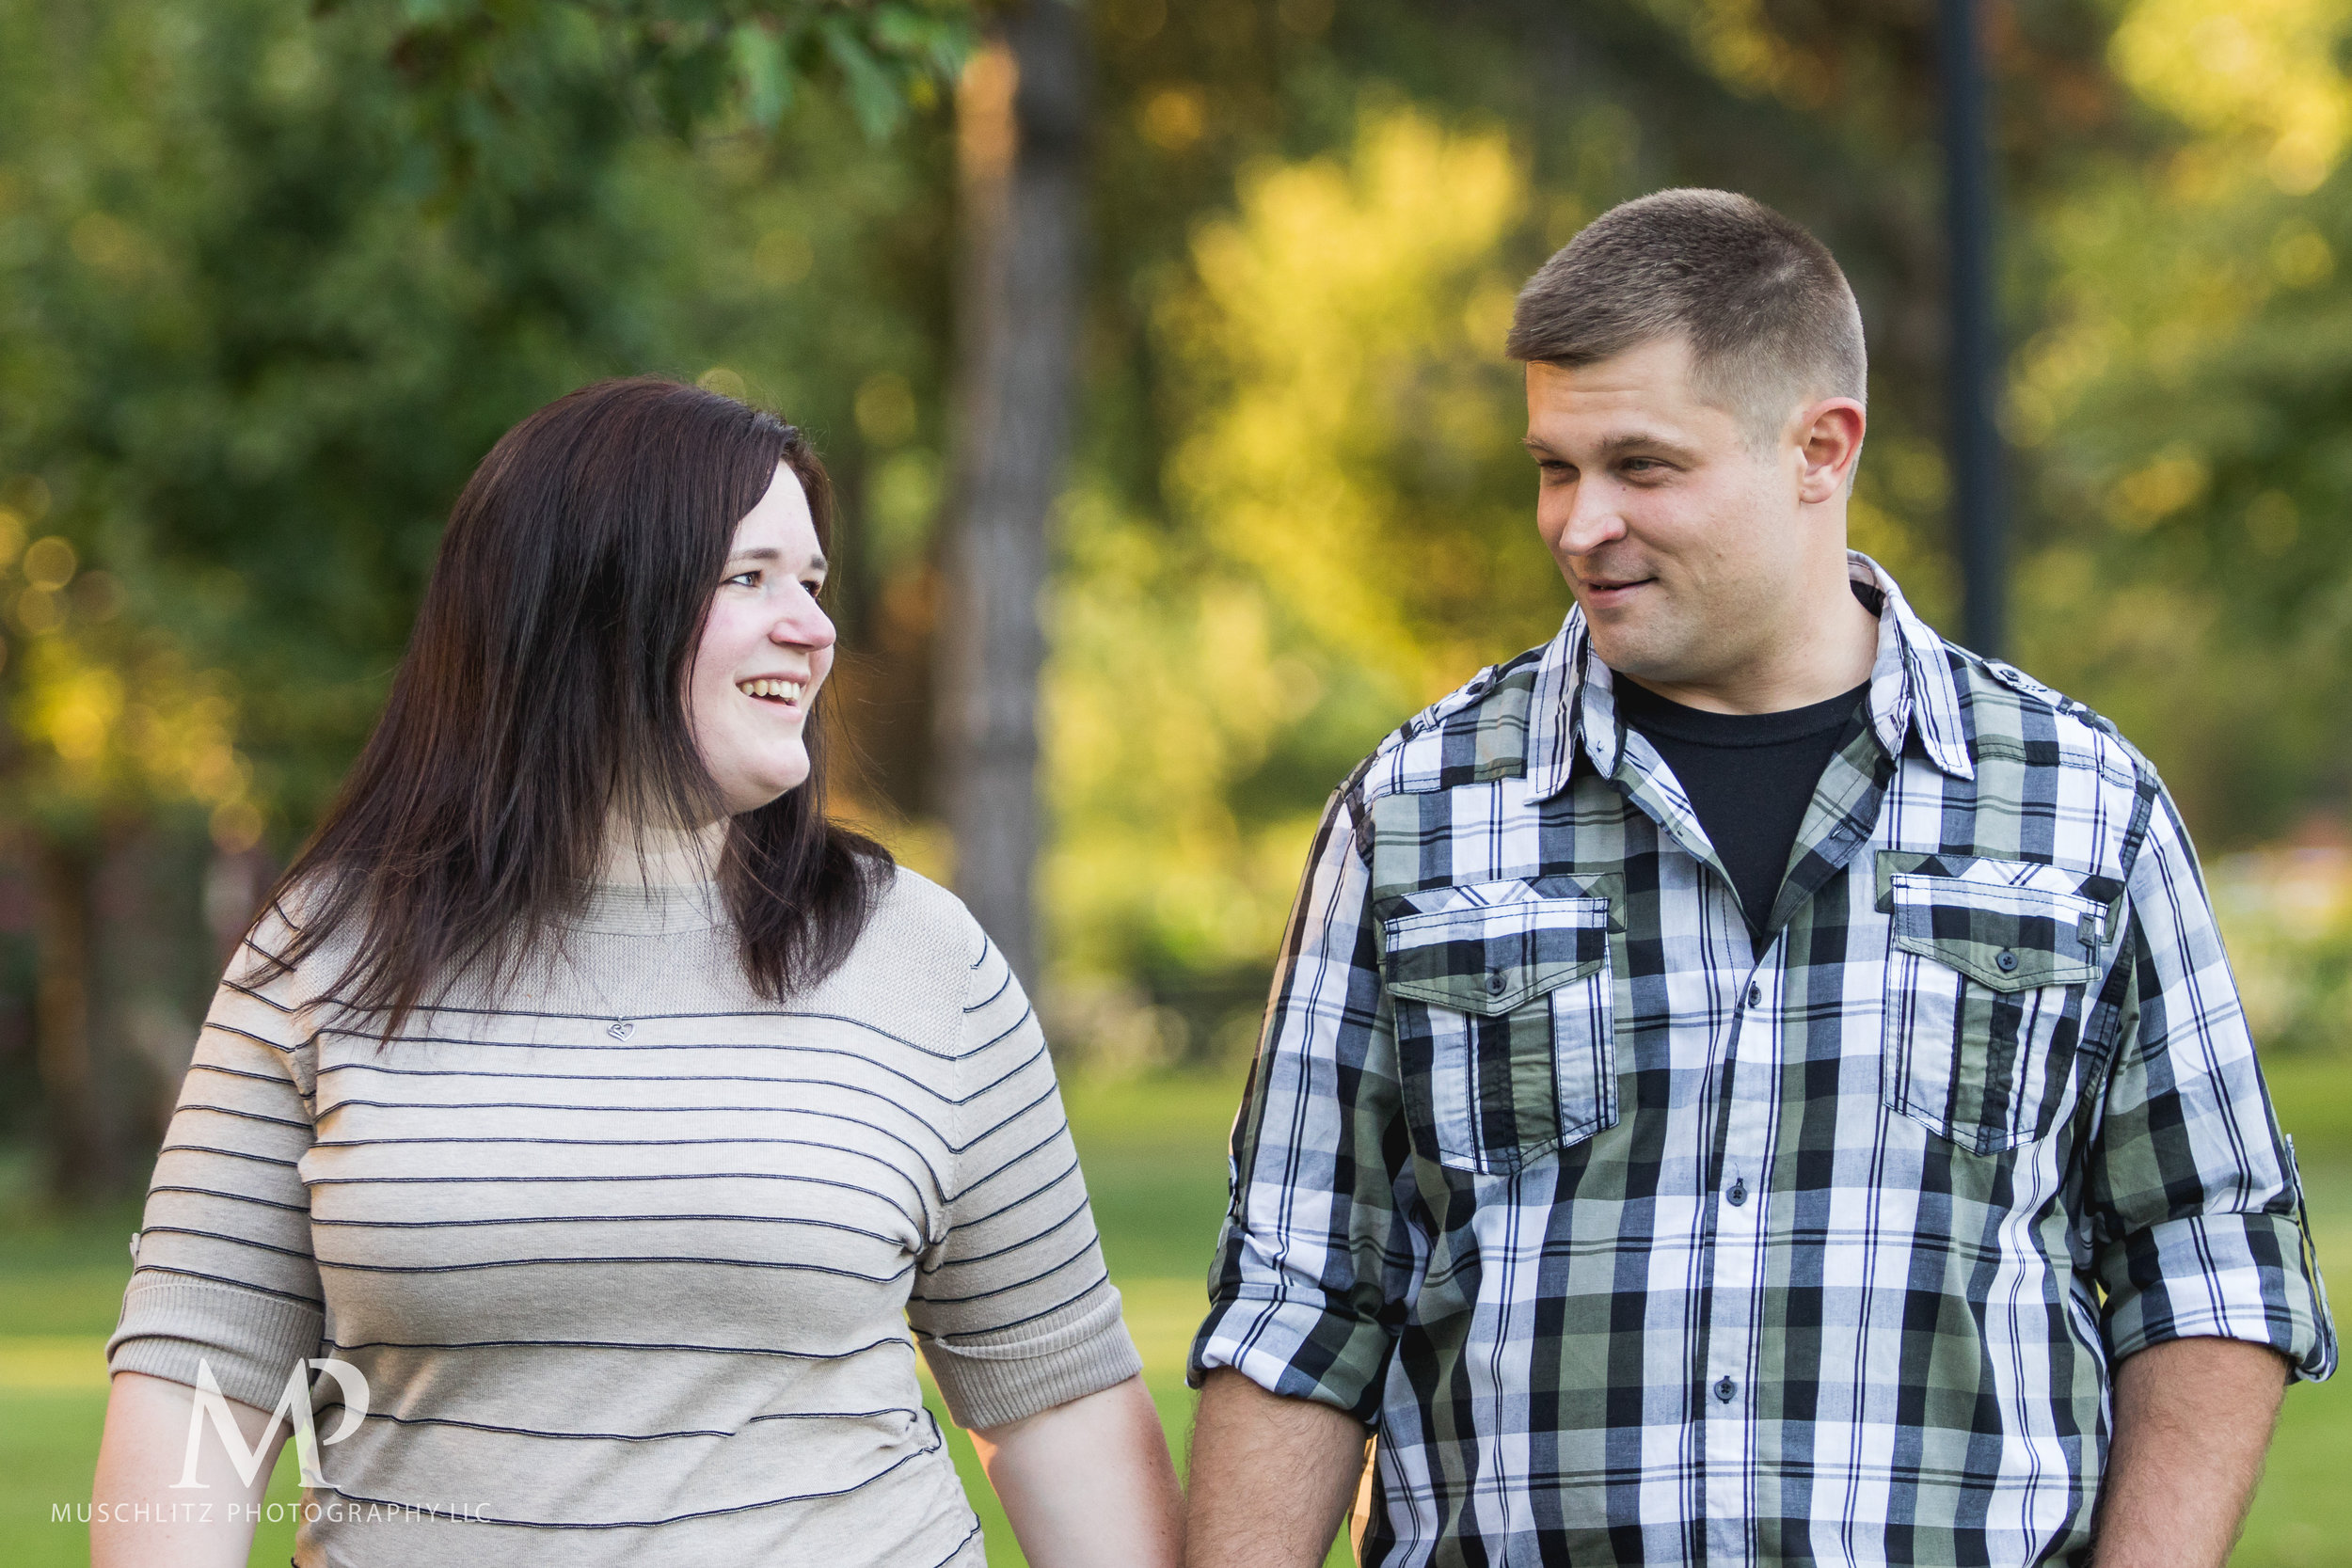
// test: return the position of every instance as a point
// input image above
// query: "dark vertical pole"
(1976, 354)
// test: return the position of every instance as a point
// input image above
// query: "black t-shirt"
(1750, 776)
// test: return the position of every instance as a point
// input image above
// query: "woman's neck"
(661, 856)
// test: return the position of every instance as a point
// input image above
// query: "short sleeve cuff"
(2230, 1276)
(1299, 1348)
(991, 1381)
(250, 1338)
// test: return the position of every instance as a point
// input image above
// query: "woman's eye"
(816, 589)
(748, 579)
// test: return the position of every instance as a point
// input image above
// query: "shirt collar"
(1911, 692)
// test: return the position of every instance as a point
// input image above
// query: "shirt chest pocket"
(1985, 998)
(1503, 1002)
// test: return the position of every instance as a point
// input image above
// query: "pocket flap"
(2007, 938)
(1489, 959)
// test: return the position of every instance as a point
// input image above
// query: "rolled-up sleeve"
(2195, 1208)
(1299, 1296)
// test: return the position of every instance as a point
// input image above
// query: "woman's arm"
(138, 1519)
(1089, 1482)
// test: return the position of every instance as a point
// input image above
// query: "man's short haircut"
(1769, 318)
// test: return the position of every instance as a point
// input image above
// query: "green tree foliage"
(485, 63)
(254, 342)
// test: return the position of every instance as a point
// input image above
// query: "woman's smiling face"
(765, 648)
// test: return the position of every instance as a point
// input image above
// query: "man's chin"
(1641, 659)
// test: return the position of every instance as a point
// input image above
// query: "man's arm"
(1305, 1289)
(2192, 1417)
(1272, 1478)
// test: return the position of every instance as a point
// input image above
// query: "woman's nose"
(804, 626)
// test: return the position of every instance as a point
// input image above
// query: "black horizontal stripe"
(520, 1178)
(263, 997)
(243, 1115)
(223, 1237)
(801, 1221)
(390, 1071)
(226, 1197)
(262, 1040)
(640, 1436)
(488, 1263)
(224, 1070)
(228, 1154)
(656, 1345)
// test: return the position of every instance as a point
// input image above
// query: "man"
(1748, 1082)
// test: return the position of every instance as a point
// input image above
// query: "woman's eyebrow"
(815, 563)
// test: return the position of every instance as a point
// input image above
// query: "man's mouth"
(771, 688)
(1609, 587)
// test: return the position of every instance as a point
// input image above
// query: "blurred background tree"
(271, 281)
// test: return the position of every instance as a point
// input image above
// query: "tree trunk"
(81, 1163)
(1021, 121)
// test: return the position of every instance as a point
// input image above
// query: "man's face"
(1677, 531)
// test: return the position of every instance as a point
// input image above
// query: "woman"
(607, 1114)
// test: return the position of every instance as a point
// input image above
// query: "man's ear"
(1829, 436)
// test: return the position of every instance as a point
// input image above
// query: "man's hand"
(1272, 1478)
(2192, 1418)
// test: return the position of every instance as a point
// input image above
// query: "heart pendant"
(620, 1028)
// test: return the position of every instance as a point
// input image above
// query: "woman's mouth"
(772, 689)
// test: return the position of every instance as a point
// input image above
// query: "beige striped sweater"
(627, 1255)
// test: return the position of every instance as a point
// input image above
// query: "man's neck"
(1822, 653)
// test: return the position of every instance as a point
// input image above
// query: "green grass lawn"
(1155, 1161)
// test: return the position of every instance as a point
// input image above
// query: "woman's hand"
(1087, 1484)
(139, 1519)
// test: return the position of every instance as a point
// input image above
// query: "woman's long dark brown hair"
(543, 696)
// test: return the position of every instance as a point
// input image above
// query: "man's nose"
(1591, 520)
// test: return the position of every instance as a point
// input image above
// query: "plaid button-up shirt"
(1636, 1245)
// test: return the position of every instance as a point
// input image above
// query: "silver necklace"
(620, 1025)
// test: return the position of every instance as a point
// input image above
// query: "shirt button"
(1495, 982)
(1756, 996)
(2007, 961)
(1738, 1193)
(1725, 1389)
